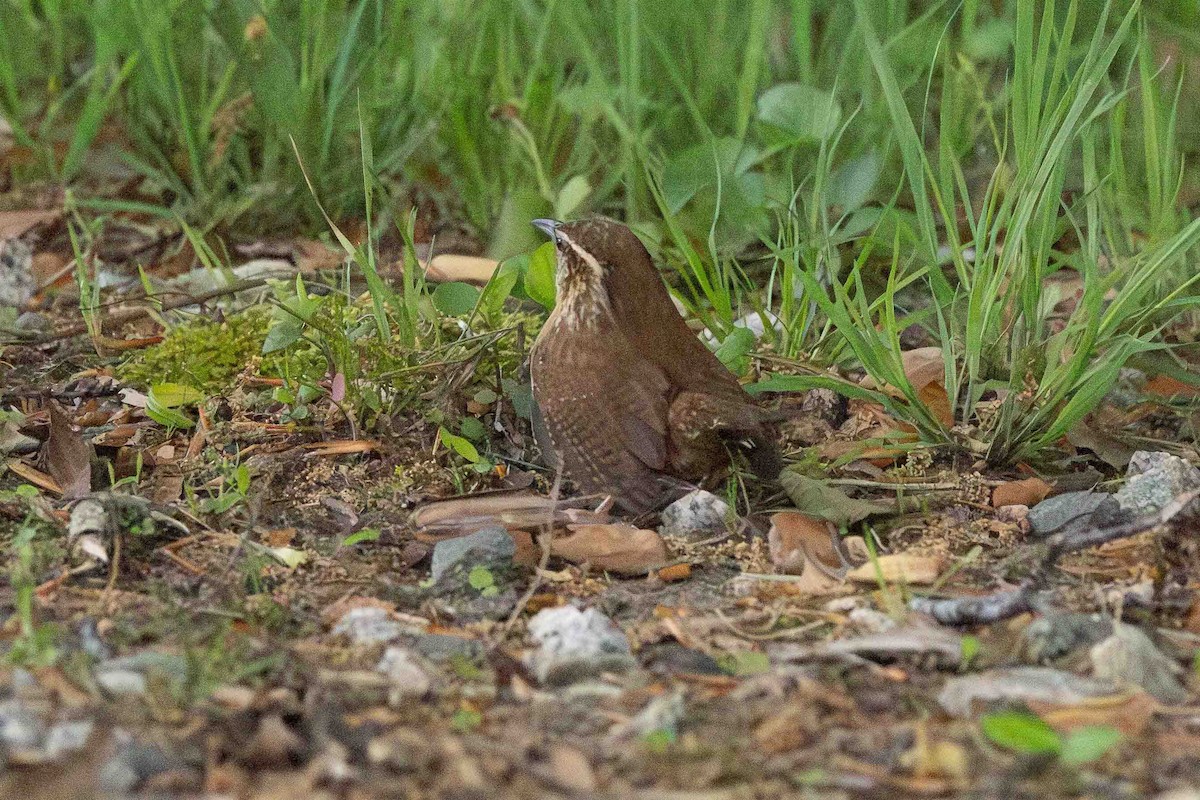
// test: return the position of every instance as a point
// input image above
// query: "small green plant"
(482, 580)
(234, 487)
(466, 719)
(1026, 733)
(36, 643)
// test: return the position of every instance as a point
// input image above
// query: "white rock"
(696, 515)
(574, 644)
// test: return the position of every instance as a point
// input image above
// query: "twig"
(544, 537)
(121, 317)
(1004, 605)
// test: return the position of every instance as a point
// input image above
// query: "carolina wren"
(635, 405)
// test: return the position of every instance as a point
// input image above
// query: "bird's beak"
(548, 227)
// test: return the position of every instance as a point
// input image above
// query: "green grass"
(852, 169)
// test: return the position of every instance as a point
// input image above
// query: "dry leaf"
(468, 269)
(935, 398)
(1028, 492)
(310, 255)
(571, 769)
(1129, 713)
(908, 568)
(34, 476)
(788, 729)
(67, 456)
(341, 447)
(805, 546)
(1166, 386)
(15, 223)
(675, 572)
(615, 547)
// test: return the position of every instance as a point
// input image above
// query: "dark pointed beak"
(548, 227)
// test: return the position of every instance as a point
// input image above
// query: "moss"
(205, 355)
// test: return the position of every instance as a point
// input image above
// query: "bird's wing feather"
(607, 415)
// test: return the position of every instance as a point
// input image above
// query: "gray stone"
(121, 681)
(117, 776)
(1155, 479)
(697, 515)
(1058, 633)
(16, 277)
(34, 322)
(409, 678)
(491, 547)
(1055, 513)
(67, 737)
(369, 625)
(20, 727)
(574, 644)
(441, 647)
(1129, 657)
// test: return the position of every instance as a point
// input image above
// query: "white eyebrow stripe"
(587, 257)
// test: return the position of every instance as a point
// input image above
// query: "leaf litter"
(253, 576)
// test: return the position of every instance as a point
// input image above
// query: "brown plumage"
(635, 405)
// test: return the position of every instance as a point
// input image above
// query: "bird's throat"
(583, 301)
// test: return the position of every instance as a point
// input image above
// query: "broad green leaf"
(473, 429)
(173, 395)
(162, 400)
(734, 352)
(819, 499)
(481, 578)
(455, 299)
(539, 275)
(804, 114)
(1021, 731)
(459, 445)
(851, 185)
(1084, 745)
(571, 196)
(499, 287)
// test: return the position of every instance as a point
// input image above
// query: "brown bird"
(634, 404)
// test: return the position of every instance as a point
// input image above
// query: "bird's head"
(597, 257)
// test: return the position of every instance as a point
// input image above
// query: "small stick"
(121, 317)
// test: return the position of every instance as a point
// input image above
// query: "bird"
(634, 404)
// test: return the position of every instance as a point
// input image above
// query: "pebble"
(575, 644)
(1068, 511)
(409, 678)
(695, 516)
(491, 547)
(1129, 657)
(1155, 479)
(369, 625)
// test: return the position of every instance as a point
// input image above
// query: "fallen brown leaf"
(909, 568)
(615, 547)
(67, 456)
(15, 223)
(340, 448)
(805, 546)
(469, 269)
(1028, 492)
(935, 398)
(1129, 713)
(34, 476)
(1166, 386)
(675, 572)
